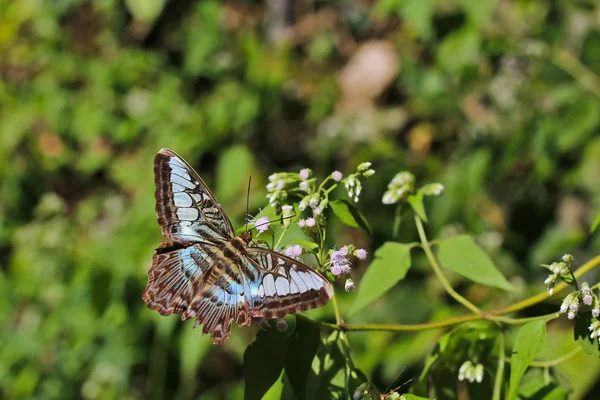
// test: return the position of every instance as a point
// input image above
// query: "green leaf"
(392, 261)
(192, 350)
(302, 347)
(459, 49)
(349, 215)
(329, 372)
(408, 396)
(479, 12)
(462, 255)
(582, 334)
(233, 172)
(419, 14)
(145, 11)
(595, 224)
(416, 202)
(312, 246)
(528, 343)
(263, 362)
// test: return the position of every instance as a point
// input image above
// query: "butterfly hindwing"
(286, 285)
(186, 208)
(176, 273)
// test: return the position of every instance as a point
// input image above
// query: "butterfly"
(204, 271)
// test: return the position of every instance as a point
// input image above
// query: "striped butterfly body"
(204, 271)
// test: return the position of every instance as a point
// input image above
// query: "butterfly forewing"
(204, 272)
(185, 206)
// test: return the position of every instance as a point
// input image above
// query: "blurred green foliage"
(498, 100)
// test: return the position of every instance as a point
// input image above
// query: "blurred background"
(498, 100)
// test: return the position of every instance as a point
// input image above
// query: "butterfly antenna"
(248, 200)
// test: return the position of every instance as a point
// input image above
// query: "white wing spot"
(280, 261)
(187, 214)
(197, 198)
(176, 162)
(181, 181)
(294, 288)
(269, 285)
(261, 291)
(283, 287)
(307, 279)
(182, 200)
(298, 281)
(177, 188)
(281, 271)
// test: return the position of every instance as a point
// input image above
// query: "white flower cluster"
(352, 183)
(471, 372)
(403, 184)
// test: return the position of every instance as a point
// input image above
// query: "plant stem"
(591, 264)
(336, 308)
(518, 321)
(317, 322)
(594, 262)
(438, 271)
(577, 70)
(500, 369)
(556, 361)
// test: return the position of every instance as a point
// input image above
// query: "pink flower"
(361, 254)
(302, 223)
(304, 186)
(587, 299)
(294, 251)
(304, 173)
(310, 222)
(336, 270)
(337, 176)
(262, 224)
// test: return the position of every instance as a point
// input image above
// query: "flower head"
(293, 251)
(337, 176)
(302, 223)
(262, 224)
(349, 286)
(303, 186)
(587, 299)
(336, 270)
(304, 173)
(310, 222)
(361, 254)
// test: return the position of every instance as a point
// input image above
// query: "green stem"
(322, 324)
(438, 270)
(500, 370)
(591, 264)
(336, 308)
(285, 228)
(556, 361)
(577, 70)
(518, 321)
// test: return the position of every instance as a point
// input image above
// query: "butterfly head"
(246, 236)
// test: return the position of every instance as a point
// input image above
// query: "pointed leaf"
(263, 362)
(349, 215)
(462, 255)
(582, 334)
(529, 342)
(302, 347)
(416, 202)
(392, 261)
